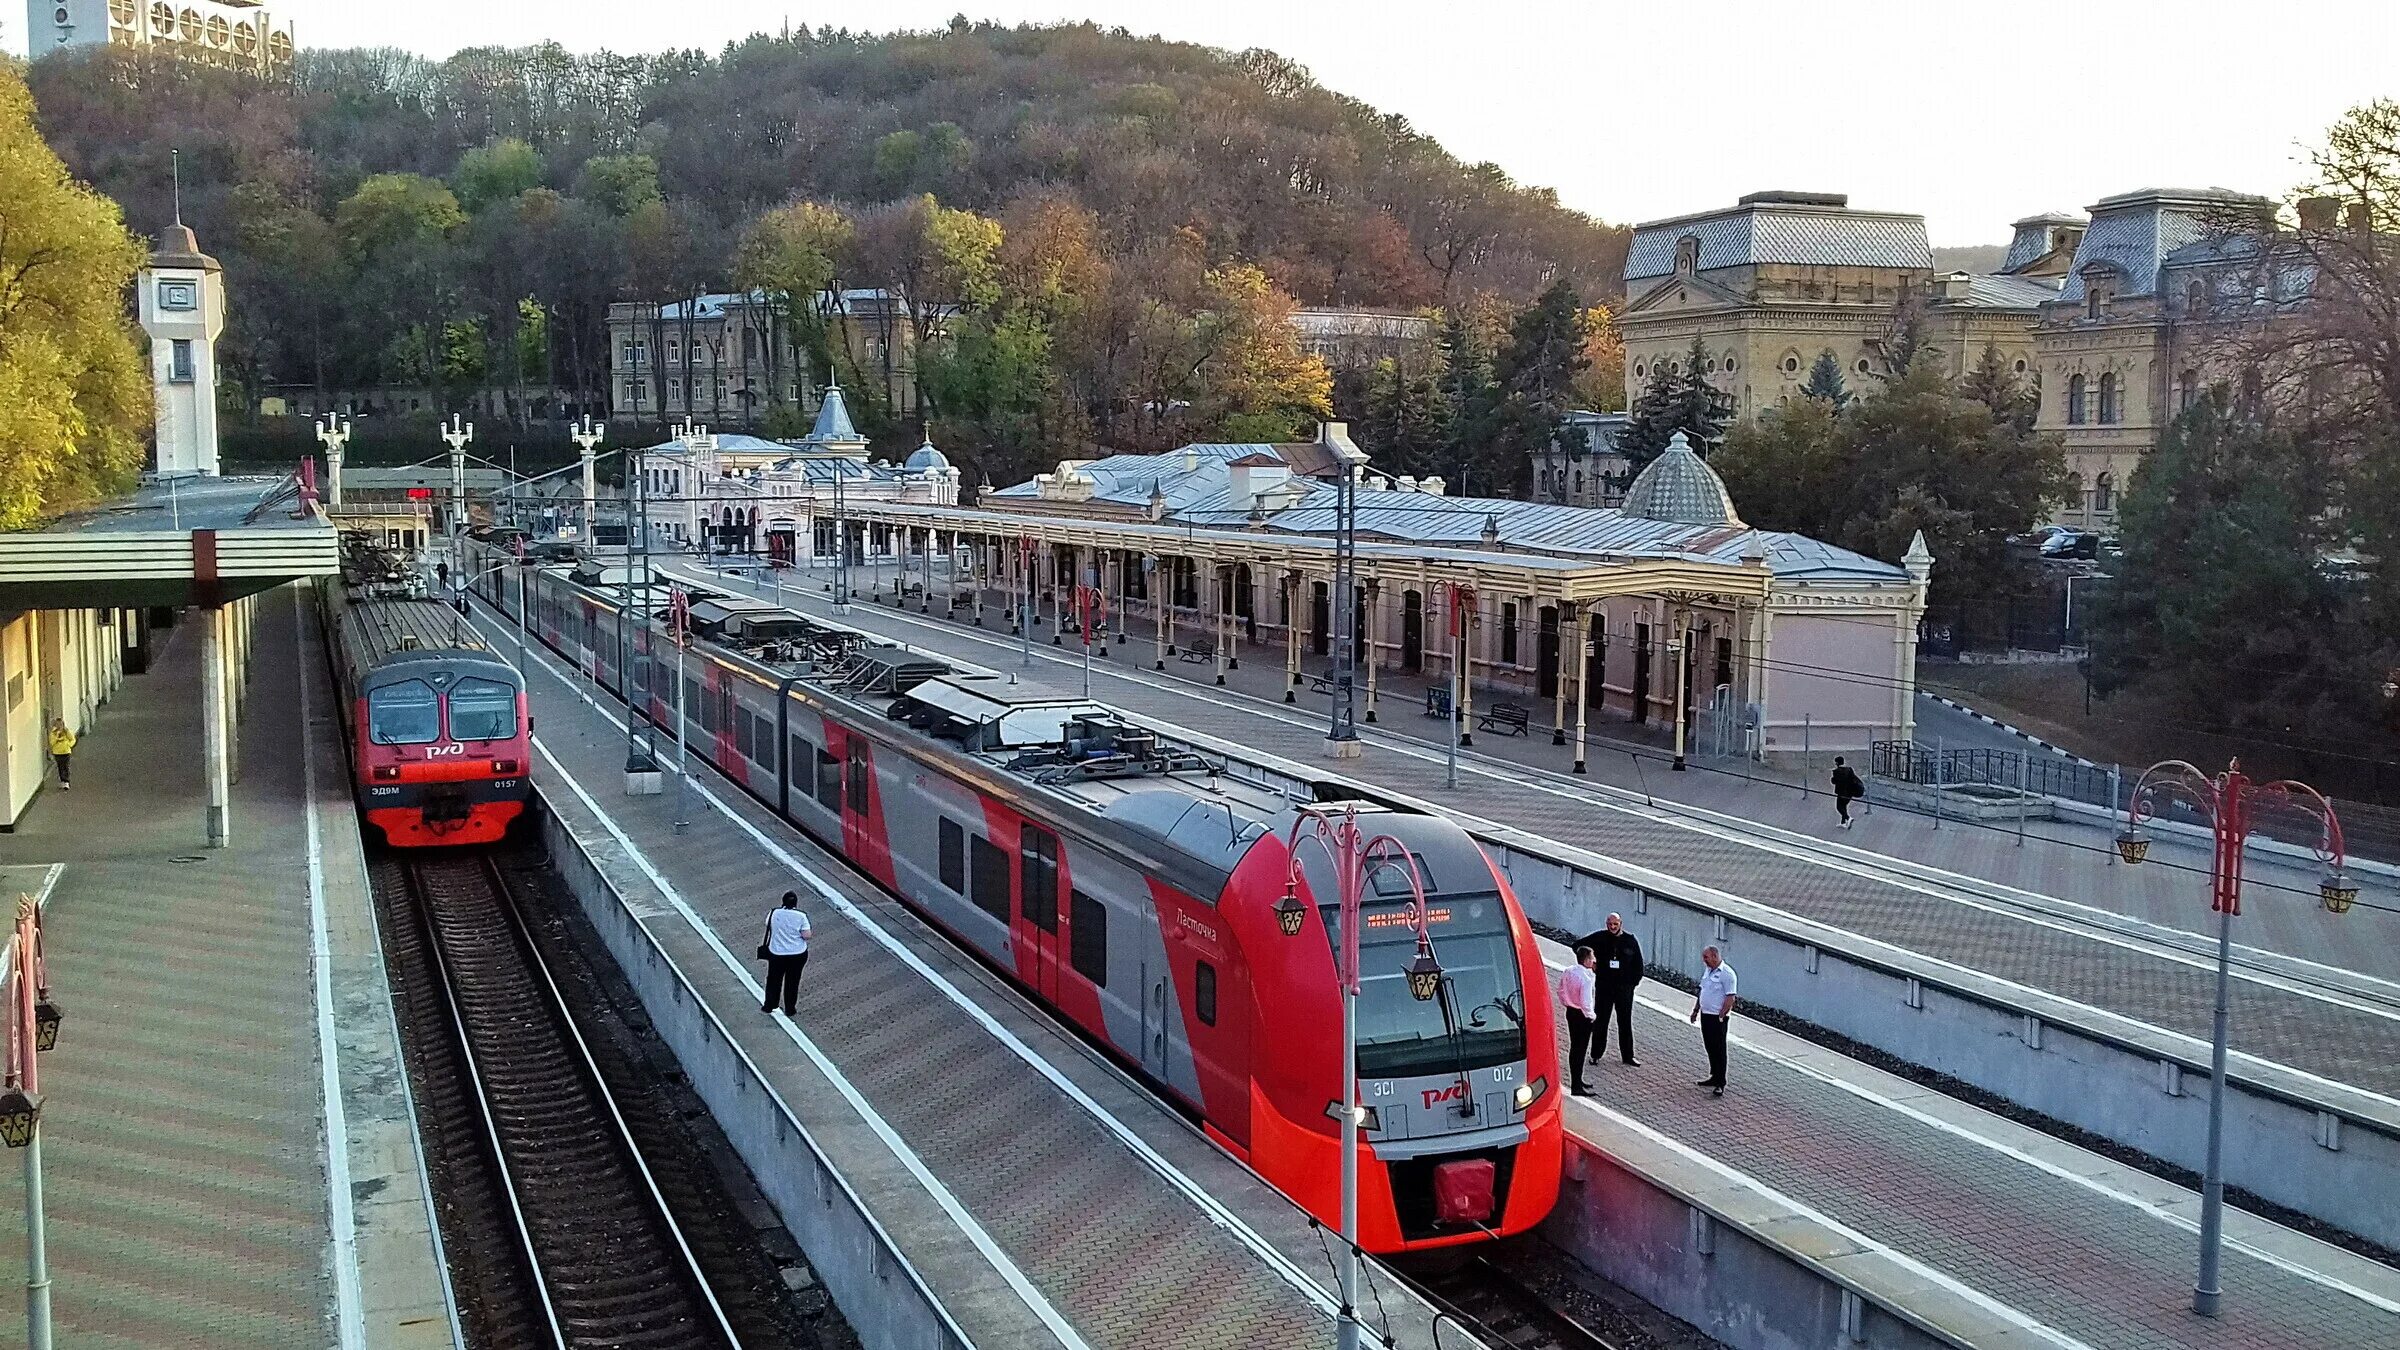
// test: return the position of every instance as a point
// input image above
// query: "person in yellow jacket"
(62, 749)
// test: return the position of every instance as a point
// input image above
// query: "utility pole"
(457, 433)
(1341, 739)
(641, 754)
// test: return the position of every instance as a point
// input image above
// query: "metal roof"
(1679, 488)
(833, 421)
(1126, 480)
(1782, 232)
(1985, 291)
(187, 541)
(2133, 232)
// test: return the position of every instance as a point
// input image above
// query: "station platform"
(230, 1154)
(1984, 1224)
(2056, 913)
(1045, 1196)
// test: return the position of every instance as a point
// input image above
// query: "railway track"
(1487, 1302)
(557, 1230)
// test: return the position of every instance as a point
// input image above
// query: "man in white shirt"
(785, 949)
(1580, 997)
(1709, 1010)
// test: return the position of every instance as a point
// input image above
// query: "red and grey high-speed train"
(437, 724)
(1131, 884)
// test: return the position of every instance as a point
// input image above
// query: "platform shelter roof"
(188, 541)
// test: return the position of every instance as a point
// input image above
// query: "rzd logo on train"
(1453, 1093)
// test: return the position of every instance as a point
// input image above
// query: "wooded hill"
(546, 184)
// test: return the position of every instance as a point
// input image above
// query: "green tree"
(490, 174)
(1994, 385)
(1470, 396)
(790, 255)
(2220, 600)
(1536, 369)
(396, 230)
(1910, 454)
(619, 184)
(74, 400)
(1682, 400)
(1404, 424)
(1825, 382)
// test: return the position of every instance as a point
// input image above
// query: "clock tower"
(183, 311)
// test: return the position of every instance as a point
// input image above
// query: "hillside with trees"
(1104, 223)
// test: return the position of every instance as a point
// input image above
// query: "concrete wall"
(887, 1303)
(2323, 1150)
(1639, 1221)
(53, 663)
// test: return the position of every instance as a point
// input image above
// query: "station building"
(1578, 614)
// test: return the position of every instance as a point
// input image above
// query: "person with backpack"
(1846, 789)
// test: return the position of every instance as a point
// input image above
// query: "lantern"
(19, 1112)
(1290, 913)
(1424, 975)
(2132, 846)
(2338, 892)
(46, 1017)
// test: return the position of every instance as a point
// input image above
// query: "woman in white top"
(785, 950)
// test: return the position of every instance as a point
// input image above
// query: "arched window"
(2110, 411)
(2195, 300)
(2187, 389)
(2075, 400)
(2104, 492)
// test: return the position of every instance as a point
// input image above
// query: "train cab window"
(1038, 854)
(482, 710)
(407, 713)
(829, 782)
(991, 877)
(1087, 937)
(954, 856)
(1204, 993)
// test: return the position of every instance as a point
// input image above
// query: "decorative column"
(1586, 651)
(1467, 613)
(1565, 641)
(1291, 636)
(1919, 562)
(1162, 595)
(1374, 623)
(587, 434)
(334, 433)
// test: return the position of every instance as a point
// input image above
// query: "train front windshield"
(1400, 1036)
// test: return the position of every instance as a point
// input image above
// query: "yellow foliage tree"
(74, 399)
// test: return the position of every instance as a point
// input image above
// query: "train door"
(1037, 900)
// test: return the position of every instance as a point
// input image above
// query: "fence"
(2368, 830)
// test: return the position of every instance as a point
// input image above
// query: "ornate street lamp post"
(1356, 860)
(33, 1021)
(2226, 800)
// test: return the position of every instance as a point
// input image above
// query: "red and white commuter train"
(438, 732)
(1131, 885)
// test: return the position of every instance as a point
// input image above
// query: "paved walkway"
(1104, 1210)
(185, 1108)
(1768, 843)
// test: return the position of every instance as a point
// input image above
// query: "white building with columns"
(742, 494)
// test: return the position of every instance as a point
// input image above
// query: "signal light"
(504, 766)
(387, 772)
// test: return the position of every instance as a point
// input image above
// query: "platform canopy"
(192, 541)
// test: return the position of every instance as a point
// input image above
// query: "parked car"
(2072, 544)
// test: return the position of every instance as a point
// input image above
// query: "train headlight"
(1529, 1093)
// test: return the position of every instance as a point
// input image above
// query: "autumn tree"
(791, 256)
(1600, 387)
(74, 399)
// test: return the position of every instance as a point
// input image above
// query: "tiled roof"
(1678, 488)
(1125, 480)
(1781, 233)
(833, 421)
(2134, 232)
(2032, 237)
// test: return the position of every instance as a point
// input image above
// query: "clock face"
(178, 295)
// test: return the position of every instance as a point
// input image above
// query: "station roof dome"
(1679, 488)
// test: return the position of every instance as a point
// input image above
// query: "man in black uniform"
(1616, 970)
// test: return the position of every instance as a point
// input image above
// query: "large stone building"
(729, 359)
(1779, 277)
(2127, 342)
(237, 33)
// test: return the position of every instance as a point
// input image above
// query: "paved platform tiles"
(2351, 1045)
(185, 1116)
(2099, 1253)
(1121, 1255)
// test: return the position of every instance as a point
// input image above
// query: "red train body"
(438, 732)
(1134, 893)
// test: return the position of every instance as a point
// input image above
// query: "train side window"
(407, 713)
(707, 699)
(954, 856)
(829, 782)
(742, 734)
(1204, 992)
(801, 762)
(1038, 854)
(858, 784)
(482, 710)
(1087, 937)
(991, 877)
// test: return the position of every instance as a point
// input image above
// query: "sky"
(1972, 114)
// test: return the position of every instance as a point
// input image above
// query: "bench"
(1437, 701)
(1198, 653)
(1322, 682)
(1506, 717)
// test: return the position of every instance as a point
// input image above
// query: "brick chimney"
(2359, 218)
(2317, 214)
